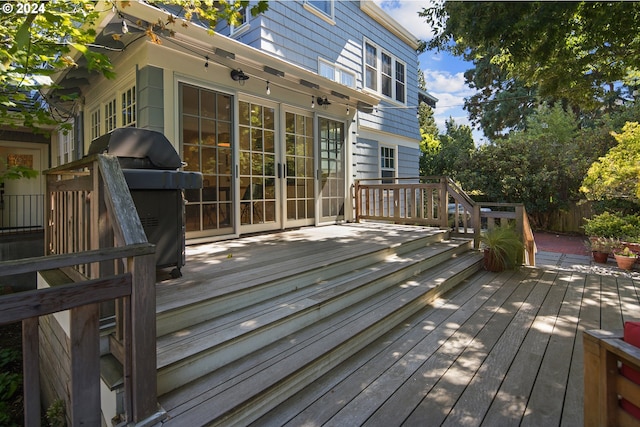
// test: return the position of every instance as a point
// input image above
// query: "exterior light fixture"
(206, 64)
(239, 76)
(324, 102)
(313, 102)
(268, 88)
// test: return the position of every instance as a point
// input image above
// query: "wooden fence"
(438, 202)
(94, 239)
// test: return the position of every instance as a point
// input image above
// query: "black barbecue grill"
(150, 166)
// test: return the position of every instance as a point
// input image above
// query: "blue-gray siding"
(291, 32)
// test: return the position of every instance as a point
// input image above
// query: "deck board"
(500, 349)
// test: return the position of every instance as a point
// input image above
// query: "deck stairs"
(234, 345)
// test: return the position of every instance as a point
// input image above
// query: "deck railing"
(438, 202)
(21, 212)
(94, 236)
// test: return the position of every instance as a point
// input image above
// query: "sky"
(444, 73)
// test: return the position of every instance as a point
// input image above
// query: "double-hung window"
(384, 73)
(387, 164)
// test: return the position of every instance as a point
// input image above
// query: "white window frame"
(236, 30)
(65, 145)
(338, 73)
(384, 159)
(118, 108)
(110, 118)
(379, 75)
(328, 17)
(128, 112)
(96, 123)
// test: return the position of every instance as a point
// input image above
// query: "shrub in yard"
(613, 225)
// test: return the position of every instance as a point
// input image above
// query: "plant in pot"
(600, 248)
(502, 247)
(625, 257)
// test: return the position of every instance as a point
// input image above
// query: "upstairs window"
(65, 146)
(242, 24)
(95, 124)
(326, 7)
(336, 73)
(384, 73)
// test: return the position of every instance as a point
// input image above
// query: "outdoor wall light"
(239, 76)
(324, 102)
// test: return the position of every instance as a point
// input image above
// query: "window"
(95, 124)
(325, 7)
(384, 74)
(242, 22)
(336, 73)
(129, 107)
(387, 164)
(110, 116)
(65, 146)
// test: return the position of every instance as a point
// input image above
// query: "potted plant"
(502, 247)
(600, 248)
(625, 258)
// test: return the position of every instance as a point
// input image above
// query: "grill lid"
(138, 148)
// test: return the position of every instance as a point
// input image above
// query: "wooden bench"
(604, 384)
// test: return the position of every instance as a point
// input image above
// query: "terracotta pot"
(625, 262)
(600, 257)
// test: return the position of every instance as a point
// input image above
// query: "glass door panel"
(299, 170)
(332, 170)
(206, 141)
(257, 166)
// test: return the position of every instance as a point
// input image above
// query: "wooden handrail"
(438, 201)
(94, 234)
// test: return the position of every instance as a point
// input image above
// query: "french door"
(332, 179)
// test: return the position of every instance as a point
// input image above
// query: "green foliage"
(447, 154)
(10, 383)
(541, 166)
(34, 47)
(571, 50)
(617, 174)
(56, 414)
(506, 245)
(614, 225)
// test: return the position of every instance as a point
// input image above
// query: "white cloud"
(406, 13)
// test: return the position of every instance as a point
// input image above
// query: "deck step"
(202, 299)
(284, 352)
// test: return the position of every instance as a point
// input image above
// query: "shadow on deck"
(496, 349)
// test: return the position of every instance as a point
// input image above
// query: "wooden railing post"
(31, 372)
(142, 342)
(85, 365)
(591, 365)
(444, 203)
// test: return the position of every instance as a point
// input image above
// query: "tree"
(36, 46)
(574, 52)
(541, 166)
(617, 174)
(449, 153)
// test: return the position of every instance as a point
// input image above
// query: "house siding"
(150, 98)
(408, 162)
(366, 158)
(288, 30)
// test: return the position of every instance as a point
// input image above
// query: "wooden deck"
(501, 350)
(498, 350)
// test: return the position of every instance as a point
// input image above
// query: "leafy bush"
(10, 383)
(615, 226)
